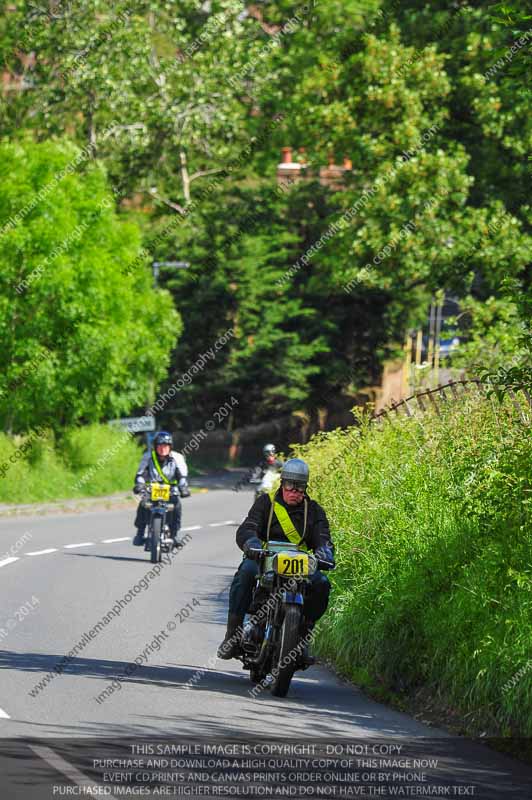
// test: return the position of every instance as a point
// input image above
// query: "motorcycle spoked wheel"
(287, 651)
(155, 550)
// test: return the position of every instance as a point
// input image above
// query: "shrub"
(431, 518)
(93, 460)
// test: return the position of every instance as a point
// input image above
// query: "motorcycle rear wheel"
(286, 661)
(155, 551)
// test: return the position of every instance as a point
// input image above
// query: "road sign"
(178, 264)
(135, 424)
(156, 267)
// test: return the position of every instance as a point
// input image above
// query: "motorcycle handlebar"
(145, 487)
(322, 564)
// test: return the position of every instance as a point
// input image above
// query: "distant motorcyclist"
(289, 515)
(269, 463)
(161, 465)
(267, 471)
(269, 458)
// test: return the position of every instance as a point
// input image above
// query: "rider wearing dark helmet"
(161, 465)
(287, 515)
(269, 463)
(269, 458)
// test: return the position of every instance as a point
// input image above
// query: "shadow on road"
(305, 694)
(110, 558)
(339, 710)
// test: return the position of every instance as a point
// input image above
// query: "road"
(61, 575)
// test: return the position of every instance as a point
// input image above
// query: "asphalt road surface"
(150, 670)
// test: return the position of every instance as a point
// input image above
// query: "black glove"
(252, 544)
(325, 554)
(139, 488)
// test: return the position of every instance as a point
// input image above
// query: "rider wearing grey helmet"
(266, 521)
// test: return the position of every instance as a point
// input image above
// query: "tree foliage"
(82, 341)
(186, 107)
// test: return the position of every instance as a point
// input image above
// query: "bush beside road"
(432, 592)
(85, 462)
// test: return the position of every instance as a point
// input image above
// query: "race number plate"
(160, 491)
(292, 565)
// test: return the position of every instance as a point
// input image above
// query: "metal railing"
(453, 391)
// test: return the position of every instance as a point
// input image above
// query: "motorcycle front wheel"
(285, 666)
(155, 550)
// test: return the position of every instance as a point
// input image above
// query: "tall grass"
(431, 518)
(90, 461)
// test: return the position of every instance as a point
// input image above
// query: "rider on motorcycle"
(270, 460)
(265, 474)
(161, 465)
(289, 508)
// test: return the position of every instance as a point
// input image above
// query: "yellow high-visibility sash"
(159, 470)
(288, 527)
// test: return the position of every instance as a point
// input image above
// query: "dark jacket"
(258, 472)
(256, 523)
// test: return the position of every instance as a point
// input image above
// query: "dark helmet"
(295, 469)
(162, 437)
(269, 450)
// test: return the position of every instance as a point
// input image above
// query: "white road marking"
(80, 544)
(106, 541)
(7, 561)
(61, 765)
(122, 539)
(3, 714)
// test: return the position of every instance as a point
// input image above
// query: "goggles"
(295, 486)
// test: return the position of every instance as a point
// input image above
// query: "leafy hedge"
(89, 461)
(434, 581)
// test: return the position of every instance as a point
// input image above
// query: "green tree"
(240, 243)
(161, 77)
(437, 192)
(82, 340)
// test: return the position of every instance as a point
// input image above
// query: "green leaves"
(177, 99)
(83, 341)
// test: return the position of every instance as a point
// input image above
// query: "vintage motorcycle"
(157, 498)
(272, 647)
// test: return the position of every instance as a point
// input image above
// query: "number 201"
(294, 566)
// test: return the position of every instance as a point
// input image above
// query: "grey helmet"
(269, 450)
(295, 469)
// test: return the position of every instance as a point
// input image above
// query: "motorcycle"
(156, 497)
(270, 642)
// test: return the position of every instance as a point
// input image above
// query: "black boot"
(138, 539)
(230, 647)
(305, 659)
